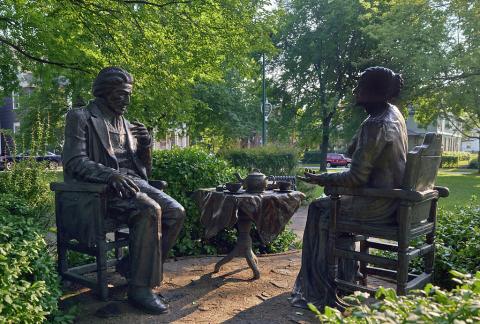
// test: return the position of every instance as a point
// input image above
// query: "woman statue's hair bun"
(396, 85)
(381, 81)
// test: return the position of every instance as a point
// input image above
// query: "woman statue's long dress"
(378, 161)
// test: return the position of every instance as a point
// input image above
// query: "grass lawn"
(462, 187)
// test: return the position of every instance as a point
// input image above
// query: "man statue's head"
(114, 85)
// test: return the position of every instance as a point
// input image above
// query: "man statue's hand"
(141, 133)
(123, 186)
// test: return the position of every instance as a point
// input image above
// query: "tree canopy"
(168, 46)
(197, 61)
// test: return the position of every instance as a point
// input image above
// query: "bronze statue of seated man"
(101, 146)
(379, 153)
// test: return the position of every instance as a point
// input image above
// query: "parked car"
(52, 160)
(6, 162)
(336, 159)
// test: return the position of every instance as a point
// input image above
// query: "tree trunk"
(324, 144)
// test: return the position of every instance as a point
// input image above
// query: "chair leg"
(403, 243)
(118, 251)
(363, 265)
(332, 260)
(102, 284)
(402, 274)
(429, 259)
(62, 262)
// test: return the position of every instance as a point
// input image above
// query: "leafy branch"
(464, 75)
(39, 59)
(158, 5)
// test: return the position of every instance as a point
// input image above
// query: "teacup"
(284, 185)
(233, 186)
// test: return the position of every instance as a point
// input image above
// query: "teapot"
(255, 182)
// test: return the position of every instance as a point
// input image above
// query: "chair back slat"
(420, 212)
(423, 163)
(291, 179)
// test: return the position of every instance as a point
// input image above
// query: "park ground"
(196, 295)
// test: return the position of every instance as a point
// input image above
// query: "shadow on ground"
(198, 296)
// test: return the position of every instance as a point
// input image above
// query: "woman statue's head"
(378, 85)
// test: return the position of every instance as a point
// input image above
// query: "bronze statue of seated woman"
(379, 152)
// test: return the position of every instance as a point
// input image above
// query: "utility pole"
(264, 101)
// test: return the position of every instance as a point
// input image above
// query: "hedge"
(187, 170)
(449, 161)
(462, 156)
(270, 160)
(473, 164)
(452, 159)
(312, 157)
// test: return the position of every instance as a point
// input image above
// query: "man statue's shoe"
(145, 299)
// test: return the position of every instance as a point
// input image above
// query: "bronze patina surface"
(101, 146)
(270, 211)
(379, 152)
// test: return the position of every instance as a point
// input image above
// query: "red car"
(335, 159)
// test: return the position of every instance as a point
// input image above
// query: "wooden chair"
(88, 236)
(416, 219)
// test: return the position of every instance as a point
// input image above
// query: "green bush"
(430, 305)
(270, 160)
(29, 287)
(311, 157)
(457, 242)
(28, 182)
(462, 156)
(473, 164)
(187, 170)
(449, 161)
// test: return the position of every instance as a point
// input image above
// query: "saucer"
(283, 191)
(239, 192)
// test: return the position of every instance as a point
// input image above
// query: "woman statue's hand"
(311, 177)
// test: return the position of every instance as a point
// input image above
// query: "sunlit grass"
(462, 187)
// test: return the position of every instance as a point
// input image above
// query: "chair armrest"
(158, 184)
(382, 193)
(78, 187)
(442, 191)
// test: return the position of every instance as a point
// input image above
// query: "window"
(16, 127)
(14, 100)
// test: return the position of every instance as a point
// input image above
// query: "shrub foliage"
(29, 287)
(28, 183)
(270, 160)
(449, 161)
(457, 242)
(430, 305)
(187, 170)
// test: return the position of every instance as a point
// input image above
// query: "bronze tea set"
(255, 182)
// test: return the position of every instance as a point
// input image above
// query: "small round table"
(269, 210)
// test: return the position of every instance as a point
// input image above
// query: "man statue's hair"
(108, 78)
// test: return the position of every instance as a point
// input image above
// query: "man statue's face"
(119, 98)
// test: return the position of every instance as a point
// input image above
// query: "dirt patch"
(198, 296)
